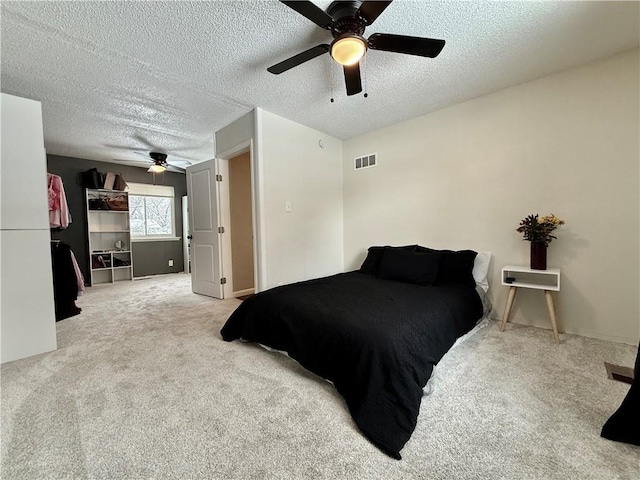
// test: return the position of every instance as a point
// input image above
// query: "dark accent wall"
(149, 258)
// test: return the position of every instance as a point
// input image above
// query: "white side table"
(515, 277)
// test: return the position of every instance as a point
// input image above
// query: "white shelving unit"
(515, 276)
(109, 238)
(526, 277)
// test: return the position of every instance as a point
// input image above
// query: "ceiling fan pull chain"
(364, 75)
(333, 84)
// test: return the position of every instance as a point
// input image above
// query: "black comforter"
(376, 340)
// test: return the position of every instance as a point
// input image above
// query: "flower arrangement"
(539, 229)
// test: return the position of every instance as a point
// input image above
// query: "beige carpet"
(142, 386)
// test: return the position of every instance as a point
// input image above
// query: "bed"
(375, 333)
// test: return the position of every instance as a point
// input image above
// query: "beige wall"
(463, 177)
(308, 241)
(241, 221)
(234, 134)
(290, 166)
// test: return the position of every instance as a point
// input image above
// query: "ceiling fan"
(158, 162)
(347, 21)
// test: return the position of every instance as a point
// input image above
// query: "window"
(151, 211)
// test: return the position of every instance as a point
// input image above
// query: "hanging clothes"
(59, 216)
(79, 276)
(65, 281)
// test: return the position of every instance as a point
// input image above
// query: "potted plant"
(538, 230)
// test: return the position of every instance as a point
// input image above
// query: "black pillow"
(455, 267)
(624, 424)
(409, 266)
(420, 248)
(372, 262)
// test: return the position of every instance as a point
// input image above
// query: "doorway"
(186, 236)
(236, 202)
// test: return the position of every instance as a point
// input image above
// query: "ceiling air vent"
(365, 161)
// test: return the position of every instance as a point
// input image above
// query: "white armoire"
(27, 312)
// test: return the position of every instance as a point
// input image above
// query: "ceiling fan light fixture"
(348, 49)
(155, 168)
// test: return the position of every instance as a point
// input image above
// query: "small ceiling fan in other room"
(347, 21)
(158, 163)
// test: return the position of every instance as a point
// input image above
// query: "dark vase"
(538, 256)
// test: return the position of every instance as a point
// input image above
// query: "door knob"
(189, 237)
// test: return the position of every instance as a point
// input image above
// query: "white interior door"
(186, 235)
(224, 221)
(206, 264)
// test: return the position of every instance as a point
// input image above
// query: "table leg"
(507, 308)
(552, 314)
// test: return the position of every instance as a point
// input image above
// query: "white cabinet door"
(28, 324)
(206, 262)
(23, 171)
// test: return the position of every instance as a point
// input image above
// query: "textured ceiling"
(116, 78)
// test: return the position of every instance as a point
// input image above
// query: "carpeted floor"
(142, 386)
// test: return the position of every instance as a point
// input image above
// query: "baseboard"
(562, 326)
(156, 275)
(242, 293)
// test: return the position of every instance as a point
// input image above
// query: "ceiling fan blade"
(131, 162)
(143, 154)
(352, 79)
(173, 159)
(311, 11)
(298, 59)
(424, 47)
(370, 10)
(124, 160)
